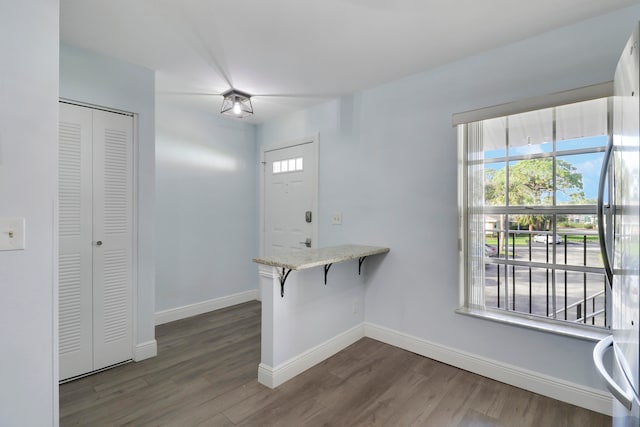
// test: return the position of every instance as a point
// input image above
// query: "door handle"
(99, 243)
(598, 353)
(306, 242)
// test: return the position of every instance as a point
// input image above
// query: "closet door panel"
(112, 215)
(75, 298)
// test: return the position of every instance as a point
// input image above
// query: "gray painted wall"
(206, 206)
(388, 163)
(29, 189)
(91, 78)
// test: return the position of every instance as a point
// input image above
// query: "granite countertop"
(299, 260)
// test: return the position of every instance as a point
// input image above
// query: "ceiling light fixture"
(236, 104)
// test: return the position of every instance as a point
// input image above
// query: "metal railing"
(562, 280)
(580, 318)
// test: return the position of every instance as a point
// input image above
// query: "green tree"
(531, 184)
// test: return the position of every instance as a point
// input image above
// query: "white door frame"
(134, 218)
(315, 141)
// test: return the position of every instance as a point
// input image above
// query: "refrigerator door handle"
(598, 353)
(603, 243)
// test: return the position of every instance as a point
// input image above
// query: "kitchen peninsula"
(300, 260)
(321, 314)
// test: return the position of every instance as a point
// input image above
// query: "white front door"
(290, 194)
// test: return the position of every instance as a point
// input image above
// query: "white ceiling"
(304, 51)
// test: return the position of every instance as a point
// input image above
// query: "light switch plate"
(12, 234)
(336, 219)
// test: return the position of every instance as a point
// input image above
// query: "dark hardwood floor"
(205, 375)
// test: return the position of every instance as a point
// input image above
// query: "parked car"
(490, 250)
(547, 238)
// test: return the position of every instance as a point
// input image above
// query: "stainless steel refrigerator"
(622, 254)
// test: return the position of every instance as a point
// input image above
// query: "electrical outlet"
(355, 306)
(336, 219)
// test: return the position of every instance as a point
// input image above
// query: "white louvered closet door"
(112, 218)
(75, 290)
(95, 216)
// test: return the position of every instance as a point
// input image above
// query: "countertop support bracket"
(360, 261)
(326, 270)
(283, 278)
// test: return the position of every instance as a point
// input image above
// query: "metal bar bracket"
(283, 278)
(326, 270)
(360, 261)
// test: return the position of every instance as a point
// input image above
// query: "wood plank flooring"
(205, 375)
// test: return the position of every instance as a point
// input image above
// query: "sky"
(589, 165)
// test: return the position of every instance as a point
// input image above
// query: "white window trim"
(522, 320)
(600, 90)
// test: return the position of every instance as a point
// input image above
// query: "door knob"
(307, 243)
(99, 243)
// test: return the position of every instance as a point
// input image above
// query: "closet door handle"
(99, 243)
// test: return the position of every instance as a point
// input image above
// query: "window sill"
(582, 332)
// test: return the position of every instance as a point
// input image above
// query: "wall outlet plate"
(336, 219)
(12, 234)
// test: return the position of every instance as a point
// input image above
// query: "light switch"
(11, 234)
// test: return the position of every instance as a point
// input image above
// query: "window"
(288, 165)
(529, 228)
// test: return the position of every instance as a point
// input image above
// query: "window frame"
(560, 327)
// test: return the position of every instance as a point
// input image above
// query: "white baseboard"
(145, 350)
(273, 377)
(585, 397)
(183, 312)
